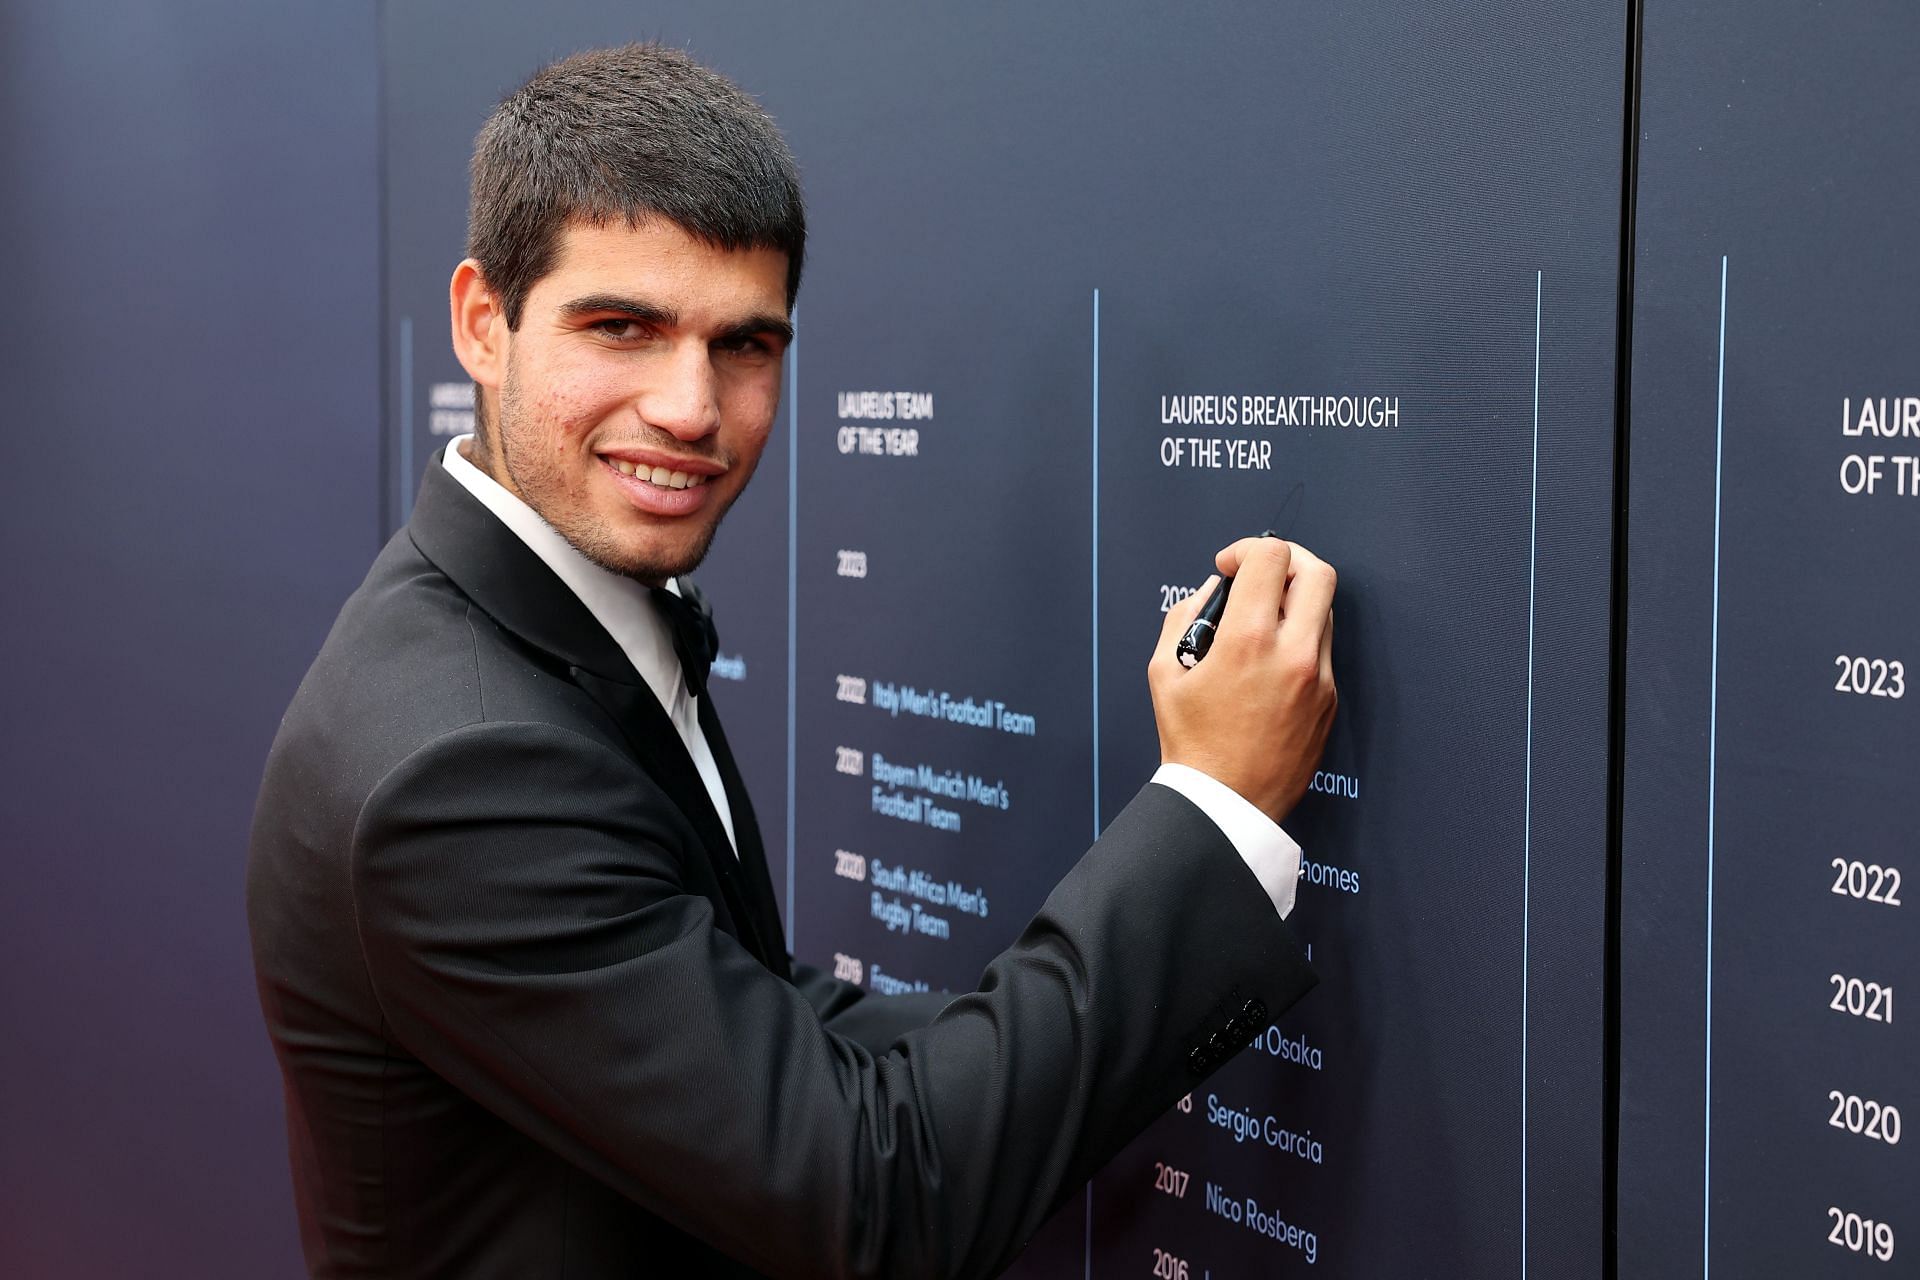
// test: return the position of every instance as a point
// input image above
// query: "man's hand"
(1255, 714)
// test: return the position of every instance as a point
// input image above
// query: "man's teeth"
(658, 475)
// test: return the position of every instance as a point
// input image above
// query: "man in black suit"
(515, 936)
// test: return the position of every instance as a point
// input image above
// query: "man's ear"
(479, 327)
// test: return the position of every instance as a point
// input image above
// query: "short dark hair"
(627, 134)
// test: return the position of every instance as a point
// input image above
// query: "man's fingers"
(1309, 599)
(1259, 585)
(1229, 557)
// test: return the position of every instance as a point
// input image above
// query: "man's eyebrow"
(758, 326)
(613, 304)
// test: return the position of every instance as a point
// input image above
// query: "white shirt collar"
(616, 602)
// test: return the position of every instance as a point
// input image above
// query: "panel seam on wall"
(1617, 658)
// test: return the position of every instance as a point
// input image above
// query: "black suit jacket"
(536, 1019)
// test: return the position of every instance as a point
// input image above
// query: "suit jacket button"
(1239, 1031)
(1255, 1010)
(1199, 1061)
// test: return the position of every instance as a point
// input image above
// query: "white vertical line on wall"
(1096, 564)
(1526, 840)
(1713, 773)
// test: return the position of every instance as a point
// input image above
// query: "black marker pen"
(1199, 634)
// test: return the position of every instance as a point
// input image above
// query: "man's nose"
(682, 398)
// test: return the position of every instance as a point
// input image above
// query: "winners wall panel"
(1769, 868)
(1092, 291)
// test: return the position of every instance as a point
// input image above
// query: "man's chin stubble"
(606, 552)
(652, 573)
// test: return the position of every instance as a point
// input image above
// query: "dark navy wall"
(195, 377)
(189, 435)
(1768, 810)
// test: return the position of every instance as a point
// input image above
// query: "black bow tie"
(694, 640)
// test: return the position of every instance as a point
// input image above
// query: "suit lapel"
(656, 744)
(746, 830)
(502, 575)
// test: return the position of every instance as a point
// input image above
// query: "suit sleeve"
(520, 907)
(874, 1020)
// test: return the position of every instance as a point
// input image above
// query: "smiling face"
(632, 404)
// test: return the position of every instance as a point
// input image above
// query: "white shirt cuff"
(1269, 852)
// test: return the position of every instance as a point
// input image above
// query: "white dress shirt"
(624, 608)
